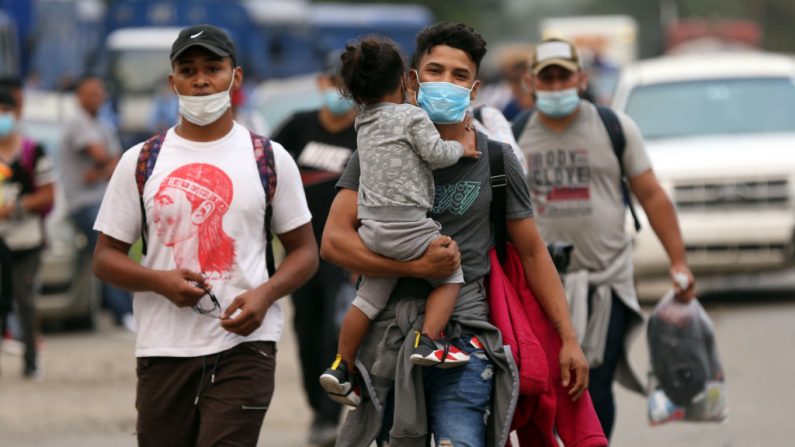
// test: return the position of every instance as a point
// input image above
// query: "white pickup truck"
(720, 130)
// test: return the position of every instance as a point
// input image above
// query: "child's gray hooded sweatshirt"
(398, 148)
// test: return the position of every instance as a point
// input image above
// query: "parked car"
(67, 291)
(275, 100)
(720, 130)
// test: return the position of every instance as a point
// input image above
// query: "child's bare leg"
(354, 328)
(438, 309)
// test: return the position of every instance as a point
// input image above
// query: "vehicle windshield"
(714, 107)
(140, 71)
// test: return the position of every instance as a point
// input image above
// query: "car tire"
(88, 321)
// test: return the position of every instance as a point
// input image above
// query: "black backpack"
(617, 140)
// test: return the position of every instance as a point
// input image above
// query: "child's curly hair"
(371, 67)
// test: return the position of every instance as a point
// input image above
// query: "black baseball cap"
(206, 36)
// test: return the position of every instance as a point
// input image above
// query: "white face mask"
(205, 110)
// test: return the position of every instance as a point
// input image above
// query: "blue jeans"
(459, 399)
(118, 301)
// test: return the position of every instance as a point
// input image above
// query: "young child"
(398, 147)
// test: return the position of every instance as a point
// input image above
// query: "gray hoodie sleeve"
(427, 142)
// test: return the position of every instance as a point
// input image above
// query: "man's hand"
(572, 361)
(440, 260)
(179, 286)
(251, 308)
(684, 282)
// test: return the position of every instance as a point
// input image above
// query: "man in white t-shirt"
(205, 371)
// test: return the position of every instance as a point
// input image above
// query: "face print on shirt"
(188, 218)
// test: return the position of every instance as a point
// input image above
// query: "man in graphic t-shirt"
(207, 310)
(574, 177)
(321, 141)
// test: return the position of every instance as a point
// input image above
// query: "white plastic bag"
(687, 380)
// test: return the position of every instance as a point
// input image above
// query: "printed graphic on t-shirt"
(188, 217)
(560, 182)
(455, 198)
(326, 157)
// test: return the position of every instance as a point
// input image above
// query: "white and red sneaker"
(439, 353)
(340, 385)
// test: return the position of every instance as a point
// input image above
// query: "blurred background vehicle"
(67, 292)
(9, 47)
(720, 130)
(275, 39)
(278, 99)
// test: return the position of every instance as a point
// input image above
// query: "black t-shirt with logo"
(321, 157)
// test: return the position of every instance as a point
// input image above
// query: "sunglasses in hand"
(213, 310)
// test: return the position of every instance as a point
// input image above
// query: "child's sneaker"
(438, 353)
(338, 384)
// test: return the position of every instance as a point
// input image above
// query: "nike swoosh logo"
(193, 36)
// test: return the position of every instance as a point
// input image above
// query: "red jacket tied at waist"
(544, 405)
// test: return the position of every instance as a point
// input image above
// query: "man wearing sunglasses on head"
(204, 196)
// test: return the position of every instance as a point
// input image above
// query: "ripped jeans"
(459, 399)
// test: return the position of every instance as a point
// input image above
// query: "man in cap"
(321, 141)
(575, 177)
(208, 318)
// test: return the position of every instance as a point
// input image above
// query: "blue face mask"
(444, 102)
(7, 123)
(557, 104)
(336, 103)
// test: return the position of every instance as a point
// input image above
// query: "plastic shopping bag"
(687, 379)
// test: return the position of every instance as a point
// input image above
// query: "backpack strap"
(143, 170)
(477, 113)
(27, 158)
(266, 167)
(499, 183)
(619, 143)
(520, 122)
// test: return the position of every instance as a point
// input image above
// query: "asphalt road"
(86, 397)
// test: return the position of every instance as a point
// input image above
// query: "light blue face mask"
(7, 123)
(557, 104)
(444, 102)
(336, 103)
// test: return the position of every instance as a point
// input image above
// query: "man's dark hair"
(456, 35)
(371, 68)
(11, 83)
(7, 98)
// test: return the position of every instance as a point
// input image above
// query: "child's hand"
(470, 149)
